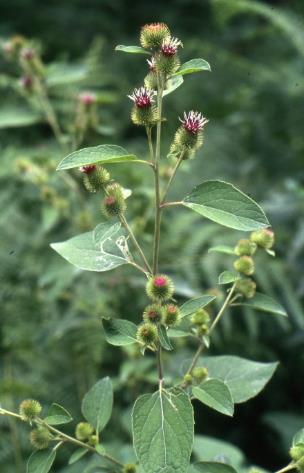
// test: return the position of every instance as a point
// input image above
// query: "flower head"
(152, 64)
(194, 122)
(142, 97)
(153, 34)
(88, 169)
(160, 288)
(87, 98)
(170, 46)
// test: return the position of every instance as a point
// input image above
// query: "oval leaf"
(84, 252)
(97, 404)
(131, 49)
(173, 84)
(41, 461)
(58, 415)
(163, 431)
(15, 117)
(77, 455)
(195, 304)
(194, 65)
(213, 467)
(228, 277)
(215, 394)
(298, 438)
(212, 449)
(244, 378)
(223, 203)
(119, 332)
(265, 304)
(227, 250)
(103, 154)
(163, 338)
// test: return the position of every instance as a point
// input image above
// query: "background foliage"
(51, 340)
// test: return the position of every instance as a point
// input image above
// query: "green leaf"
(119, 332)
(195, 304)
(163, 338)
(97, 404)
(102, 154)
(215, 394)
(131, 49)
(223, 203)
(228, 277)
(163, 431)
(244, 378)
(58, 415)
(212, 449)
(298, 438)
(228, 250)
(87, 252)
(173, 84)
(77, 455)
(194, 65)
(265, 304)
(213, 467)
(15, 117)
(41, 461)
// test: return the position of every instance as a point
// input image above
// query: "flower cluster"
(189, 136)
(144, 112)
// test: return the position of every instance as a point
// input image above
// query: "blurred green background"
(51, 342)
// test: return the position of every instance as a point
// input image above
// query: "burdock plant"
(162, 421)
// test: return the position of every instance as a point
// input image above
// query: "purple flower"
(142, 97)
(193, 122)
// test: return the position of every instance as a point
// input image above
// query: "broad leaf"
(195, 304)
(213, 467)
(265, 304)
(215, 394)
(15, 117)
(92, 253)
(119, 332)
(228, 250)
(244, 378)
(228, 277)
(97, 404)
(223, 203)
(41, 461)
(298, 438)
(163, 338)
(102, 154)
(132, 49)
(57, 415)
(194, 65)
(77, 455)
(163, 431)
(173, 84)
(212, 449)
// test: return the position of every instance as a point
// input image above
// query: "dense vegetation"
(52, 344)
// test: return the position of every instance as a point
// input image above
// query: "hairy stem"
(222, 309)
(156, 176)
(177, 165)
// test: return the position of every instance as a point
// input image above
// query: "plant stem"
(136, 244)
(160, 366)
(170, 204)
(196, 357)
(177, 165)
(222, 309)
(156, 175)
(291, 466)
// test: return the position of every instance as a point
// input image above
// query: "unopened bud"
(200, 317)
(152, 35)
(153, 313)
(188, 379)
(245, 247)
(200, 374)
(87, 98)
(93, 440)
(129, 468)
(160, 287)
(147, 333)
(30, 409)
(83, 431)
(246, 287)
(171, 315)
(263, 238)
(244, 265)
(114, 203)
(95, 177)
(40, 438)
